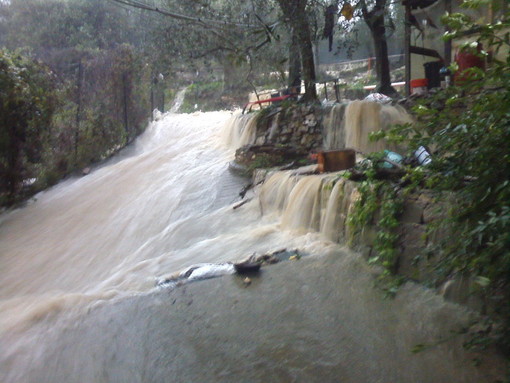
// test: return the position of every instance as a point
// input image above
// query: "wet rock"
(291, 126)
(413, 212)
(268, 259)
(252, 157)
(412, 233)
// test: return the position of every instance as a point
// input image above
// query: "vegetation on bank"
(74, 90)
(467, 130)
(110, 63)
(207, 96)
(52, 125)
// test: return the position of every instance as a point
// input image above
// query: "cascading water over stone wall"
(349, 125)
(346, 125)
(334, 127)
(309, 203)
(240, 130)
(73, 260)
(319, 203)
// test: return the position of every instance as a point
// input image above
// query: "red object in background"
(468, 59)
(419, 85)
(273, 99)
(419, 82)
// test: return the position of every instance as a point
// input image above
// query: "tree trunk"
(375, 22)
(294, 81)
(295, 16)
(382, 63)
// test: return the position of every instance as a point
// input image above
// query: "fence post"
(125, 91)
(78, 109)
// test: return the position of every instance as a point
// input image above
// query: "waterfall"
(349, 125)
(334, 128)
(179, 99)
(303, 209)
(310, 203)
(240, 130)
(332, 220)
(345, 125)
(164, 206)
(83, 252)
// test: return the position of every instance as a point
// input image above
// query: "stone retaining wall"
(295, 125)
(417, 259)
(301, 127)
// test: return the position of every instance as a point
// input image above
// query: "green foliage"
(380, 204)
(203, 96)
(93, 101)
(50, 128)
(263, 161)
(27, 102)
(68, 24)
(467, 129)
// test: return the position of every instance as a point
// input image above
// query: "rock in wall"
(295, 125)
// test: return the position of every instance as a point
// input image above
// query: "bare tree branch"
(207, 23)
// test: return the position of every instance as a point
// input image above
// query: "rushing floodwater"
(163, 206)
(115, 231)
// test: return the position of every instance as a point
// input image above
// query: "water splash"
(115, 231)
(310, 203)
(162, 208)
(240, 130)
(349, 125)
(334, 128)
(179, 99)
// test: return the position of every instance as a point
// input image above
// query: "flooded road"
(79, 268)
(318, 319)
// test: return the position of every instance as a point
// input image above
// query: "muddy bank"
(317, 319)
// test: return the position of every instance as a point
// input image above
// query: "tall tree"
(295, 15)
(375, 19)
(27, 102)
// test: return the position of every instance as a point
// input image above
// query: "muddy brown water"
(78, 268)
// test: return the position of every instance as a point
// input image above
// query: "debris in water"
(247, 281)
(196, 272)
(423, 156)
(247, 267)
(245, 189)
(243, 202)
(336, 160)
(392, 160)
(378, 97)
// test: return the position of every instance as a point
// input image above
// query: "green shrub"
(467, 129)
(27, 103)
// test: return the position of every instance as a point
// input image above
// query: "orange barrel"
(419, 86)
